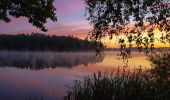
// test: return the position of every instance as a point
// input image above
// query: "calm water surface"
(46, 75)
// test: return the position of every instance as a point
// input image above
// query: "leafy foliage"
(130, 18)
(37, 11)
(160, 65)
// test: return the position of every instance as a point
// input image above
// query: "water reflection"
(49, 83)
(41, 60)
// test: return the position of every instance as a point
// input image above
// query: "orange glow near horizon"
(113, 43)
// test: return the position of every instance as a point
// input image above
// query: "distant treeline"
(42, 42)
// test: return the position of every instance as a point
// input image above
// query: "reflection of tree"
(41, 60)
(160, 65)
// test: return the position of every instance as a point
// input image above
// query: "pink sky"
(71, 21)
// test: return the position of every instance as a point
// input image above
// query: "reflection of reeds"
(130, 86)
(40, 60)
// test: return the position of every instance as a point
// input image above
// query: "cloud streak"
(78, 29)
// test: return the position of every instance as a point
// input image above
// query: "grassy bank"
(138, 85)
(129, 86)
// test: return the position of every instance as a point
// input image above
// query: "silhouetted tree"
(37, 11)
(131, 18)
(42, 42)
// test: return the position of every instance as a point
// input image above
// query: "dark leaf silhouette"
(160, 65)
(37, 11)
(114, 17)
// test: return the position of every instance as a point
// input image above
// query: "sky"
(71, 21)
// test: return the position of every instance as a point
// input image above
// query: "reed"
(137, 85)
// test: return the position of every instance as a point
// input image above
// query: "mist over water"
(46, 75)
(42, 60)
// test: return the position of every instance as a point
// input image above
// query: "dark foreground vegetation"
(153, 84)
(42, 42)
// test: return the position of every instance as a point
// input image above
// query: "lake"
(47, 75)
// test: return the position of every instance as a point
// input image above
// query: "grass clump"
(120, 86)
(153, 84)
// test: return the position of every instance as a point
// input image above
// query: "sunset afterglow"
(84, 49)
(71, 21)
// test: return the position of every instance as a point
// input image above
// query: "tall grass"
(138, 85)
(153, 84)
